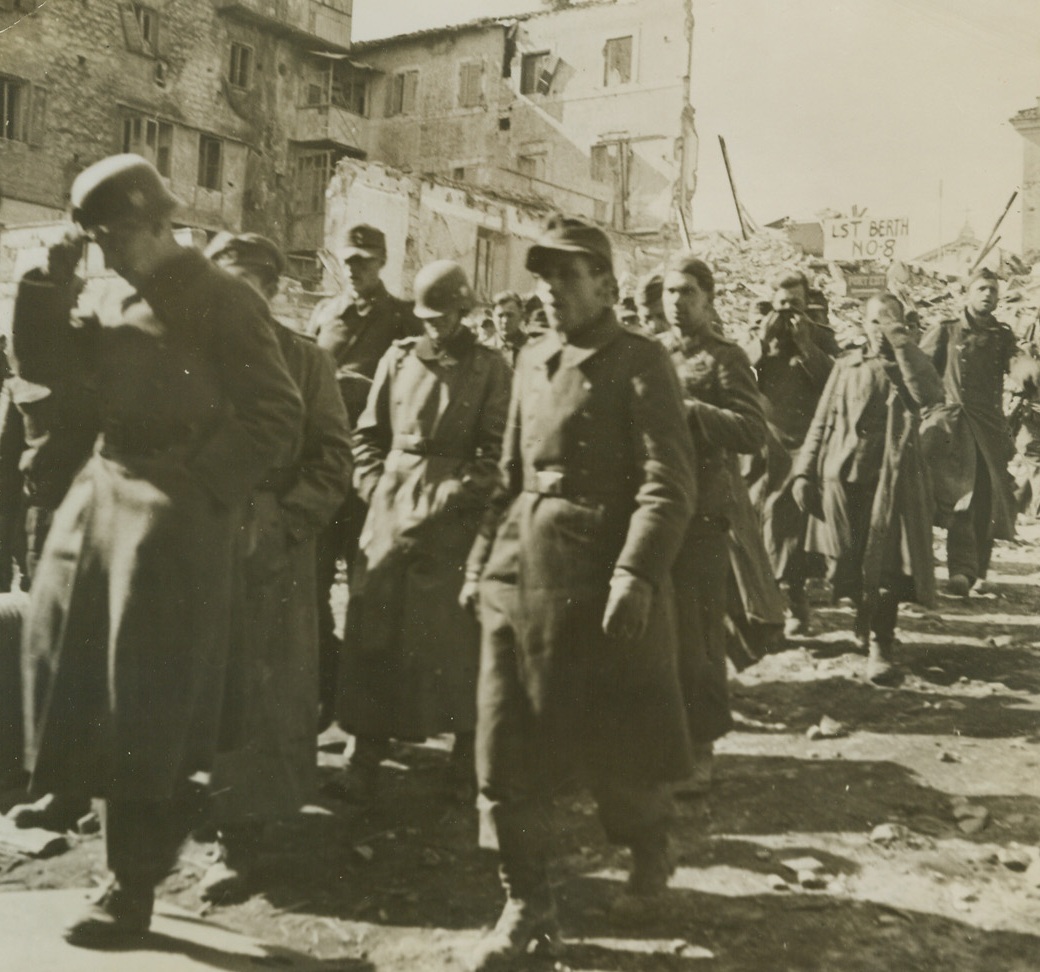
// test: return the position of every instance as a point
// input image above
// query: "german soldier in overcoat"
(969, 443)
(426, 458)
(267, 765)
(127, 626)
(357, 328)
(724, 411)
(578, 676)
(861, 475)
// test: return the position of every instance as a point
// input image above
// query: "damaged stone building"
(210, 90)
(1027, 124)
(247, 107)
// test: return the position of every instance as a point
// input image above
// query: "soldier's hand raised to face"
(628, 607)
(63, 256)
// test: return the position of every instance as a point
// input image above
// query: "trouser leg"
(884, 616)
(969, 537)
(143, 837)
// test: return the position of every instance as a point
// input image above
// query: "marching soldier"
(426, 460)
(127, 629)
(578, 669)
(507, 312)
(969, 443)
(356, 327)
(861, 475)
(266, 768)
(792, 359)
(724, 411)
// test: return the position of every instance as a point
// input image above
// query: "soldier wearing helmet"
(425, 461)
(127, 629)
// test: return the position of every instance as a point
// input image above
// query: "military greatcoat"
(426, 461)
(268, 755)
(863, 453)
(598, 477)
(724, 410)
(127, 627)
(972, 359)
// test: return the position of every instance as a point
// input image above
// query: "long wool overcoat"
(268, 758)
(126, 637)
(972, 360)
(598, 477)
(865, 431)
(724, 410)
(426, 461)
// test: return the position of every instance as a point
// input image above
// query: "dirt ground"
(919, 810)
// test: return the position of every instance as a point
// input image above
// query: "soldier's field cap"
(250, 250)
(364, 241)
(440, 288)
(564, 234)
(118, 188)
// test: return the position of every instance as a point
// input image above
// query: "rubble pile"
(743, 269)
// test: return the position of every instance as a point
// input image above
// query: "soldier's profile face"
(439, 328)
(572, 294)
(686, 305)
(983, 295)
(653, 318)
(362, 274)
(119, 245)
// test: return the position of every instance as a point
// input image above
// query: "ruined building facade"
(212, 91)
(1027, 123)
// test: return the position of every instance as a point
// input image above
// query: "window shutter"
(391, 83)
(408, 95)
(37, 115)
(131, 28)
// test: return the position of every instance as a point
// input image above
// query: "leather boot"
(652, 866)
(797, 620)
(227, 879)
(699, 782)
(121, 916)
(528, 924)
(360, 780)
(57, 812)
(881, 667)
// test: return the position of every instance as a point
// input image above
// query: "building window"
(151, 138)
(471, 84)
(350, 89)
(211, 158)
(532, 165)
(535, 77)
(401, 93)
(617, 61)
(13, 109)
(240, 72)
(313, 172)
(603, 161)
(148, 24)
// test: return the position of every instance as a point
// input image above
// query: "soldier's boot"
(647, 886)
(528, 924)
(462, 769)
(53, 811)
(120, 917)
(881, 667)
(227, 879)
(360, 780)
(797, 619)
(699, 782)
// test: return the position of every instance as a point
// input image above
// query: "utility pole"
(733, 189)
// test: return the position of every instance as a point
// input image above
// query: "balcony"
(328, 126)
(325, 23)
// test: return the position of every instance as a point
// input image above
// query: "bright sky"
(835, 103)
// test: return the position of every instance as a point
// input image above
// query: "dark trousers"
(969, 536)
(338, 540)
(142, 837)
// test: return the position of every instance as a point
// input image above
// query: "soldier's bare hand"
(63, 256)
(628, 607)
(806, 496)
(469, 596)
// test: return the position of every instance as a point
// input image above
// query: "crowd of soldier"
(556, 531)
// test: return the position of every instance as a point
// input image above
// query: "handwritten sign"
(865, 238)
